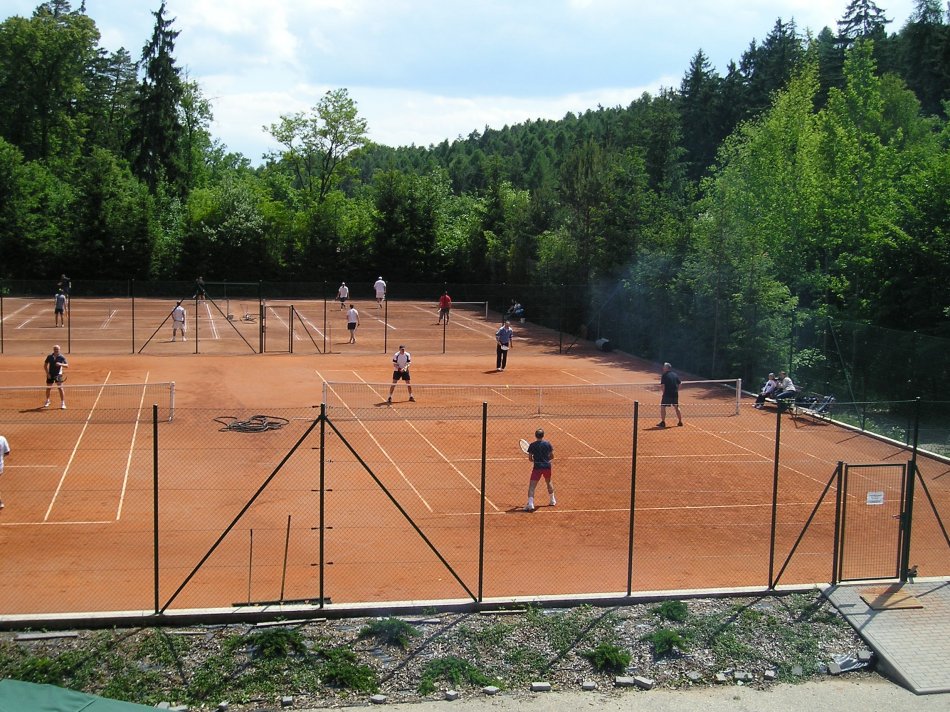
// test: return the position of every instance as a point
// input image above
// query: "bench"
(814, 404)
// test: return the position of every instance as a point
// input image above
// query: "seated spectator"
(768, 390)
(515, 311)
(786, 389)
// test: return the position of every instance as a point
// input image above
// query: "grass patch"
(494, 635)
(342, 668)
(391, 631)
(525, 662)
(565, 629)
(277, 643)
(665, 641)
(454, 671)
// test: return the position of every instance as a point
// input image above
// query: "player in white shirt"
(401, 361)
(178, 321)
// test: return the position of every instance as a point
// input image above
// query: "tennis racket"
(524, 446)
(61, 378)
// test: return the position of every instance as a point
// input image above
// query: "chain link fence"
(232, 511)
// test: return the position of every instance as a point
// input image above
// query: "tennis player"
(59, 308)
(504, 336)
(54, 365)
(4, 452)
(670, 381)
(343, 293)
(352, 321)
(401, 361)
(540, 452)
(178, 321)
(445, 307)
(379, 286)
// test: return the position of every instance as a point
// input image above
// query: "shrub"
(672, 611)
(391, 631)
(607, 657)
(276, 643)
(343, 669)
(665, 641)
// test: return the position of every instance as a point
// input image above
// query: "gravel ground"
(754, 643)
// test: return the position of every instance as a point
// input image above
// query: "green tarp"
(17, 696)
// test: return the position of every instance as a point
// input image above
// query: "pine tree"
(923, 44)
(156, 143)
(862, 20)
(697, 97)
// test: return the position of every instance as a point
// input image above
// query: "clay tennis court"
(398, 488)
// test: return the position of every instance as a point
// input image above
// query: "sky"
(423, 71)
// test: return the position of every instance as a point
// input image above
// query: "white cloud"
(423, 71)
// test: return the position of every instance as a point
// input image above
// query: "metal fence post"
(481, 516)
(323, 465)
(155, 502)
(775, 466)
(633, 495)
(907, 516)
(132, 296)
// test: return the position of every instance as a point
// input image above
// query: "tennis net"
(367, 401)
(104, 402)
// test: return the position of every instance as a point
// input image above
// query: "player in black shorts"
(401, 361)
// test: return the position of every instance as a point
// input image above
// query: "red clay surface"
(76, 533)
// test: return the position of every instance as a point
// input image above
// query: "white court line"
(8, 466)
(377, 318)
(574, 437)
(443, 456)
(53, 524)
(764, 457)
(574, 375)
(105, 324)
(72, 455)
(214, 325)
(379, 445)
(13, 314)
(128, 462)
(622, 396)
(452, 464)
(455, 320)
(625, 510)
(26, 323)
(315, 327)
(283, 321)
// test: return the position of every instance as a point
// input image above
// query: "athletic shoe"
(62, 406)
(758, 406)
(529, 507)
(46, 404)
(411, 399)
(1, 504)
(499, 369)
(553, 501)
(661, 424)
(679, 424)
(389, 401)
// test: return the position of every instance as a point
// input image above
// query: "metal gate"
(872, 508)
